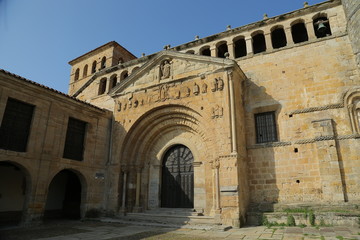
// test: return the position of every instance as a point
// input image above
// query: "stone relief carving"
(136, 103)
(217, 111)
(204, 88)
(163, 92)
(187, 92)
(119, 106)
(213, 85)
(215, 163)
(165, 69)
(217, 84)
(196, 89)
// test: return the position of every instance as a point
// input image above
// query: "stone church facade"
(254, 119)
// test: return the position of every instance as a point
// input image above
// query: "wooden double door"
(177, 184)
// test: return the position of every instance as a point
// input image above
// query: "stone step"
(168, 218)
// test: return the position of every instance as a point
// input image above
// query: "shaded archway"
(177, 181)
(64, 196)
(14, 193)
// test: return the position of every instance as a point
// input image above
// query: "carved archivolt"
(352, 101)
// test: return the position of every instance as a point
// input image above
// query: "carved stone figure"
(119, 107)
(187, 92)
(163, 92)
(136, 103)
(165, 69)
(220, 84)
(204, 88)
(213, 85)
(196, 89)
(217, 111)
(178, 94)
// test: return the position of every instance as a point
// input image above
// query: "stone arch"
(221, 49)
(205, 51)
(155, 132)
(352, 102)
(258, 41)
(15, 188)
(190, 52)
(77, 74)
(321, 19)
(299, 31)
(113, 81)
(278, 36)
(63, 197)
(240, 49)
(124, 75)
(85, 71)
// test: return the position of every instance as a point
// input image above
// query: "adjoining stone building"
(253, 119)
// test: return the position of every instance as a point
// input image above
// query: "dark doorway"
(177, 189)
(13, 193)
(64, 196)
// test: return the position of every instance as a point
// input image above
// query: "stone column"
(216, 183)
(138, 189)
(213, 51)
(123, 207)
(231, 49)
(310, 29)
(268, 42)
(288, 34)
(249, 46)
(232, 113)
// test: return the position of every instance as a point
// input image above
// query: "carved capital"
(215, 164)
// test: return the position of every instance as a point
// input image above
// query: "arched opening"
(93, 67)
(124, 75)
(77, 72)
(205, 51)
(258, 41)
(321, 26)
(102, 86)
(64, 196)
(240, 47)
(113, 81)
(103, 62)
(85, 71)
(278, 37)
(299, 32)
(191, 52)
(14, 192)
(134, 69)
(177, 181)
(222, 48)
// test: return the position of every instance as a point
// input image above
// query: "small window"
(221, 50)
(191, 52)
(205, 51)
(85, 71)
(93, 67)
(259, 44)
(77, 72)
(102, 86)
(103, 62)
(113, 81)
(15, 125)
(124, 75)
(265, 127)
(299, 32)
(240, 48)
(322, 27)
(75, 139)
(278, 38)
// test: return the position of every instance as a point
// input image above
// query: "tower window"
(259, 44)
(205, 51)
(278, 38)
(102, 86)
(85, 71)
(299, 32)
(15, 125)
(240, 48)
(221, 50)
(322, 27)
(103, 62)
(77, 72)
(265, 126)
(93, 67)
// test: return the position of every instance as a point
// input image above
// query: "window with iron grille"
(265, 127)
(15, 125)
(75, 139)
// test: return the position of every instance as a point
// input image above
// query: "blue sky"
(39, 37)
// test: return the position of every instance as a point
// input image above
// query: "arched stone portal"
(177, 181)
(14, 193)
(64, 196)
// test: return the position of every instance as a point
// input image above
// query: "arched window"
(299, 32)
(321, 26)
(77, 72)
(103, 62)
(85, 70)
(352, 101)
(240, 47)
(93, 67)
(134, 69)
(221, 49)
(258, 42)
(278, 37)
(124, 75)
(113, 81)
(191, 52)
(102, 86)
(205, 51)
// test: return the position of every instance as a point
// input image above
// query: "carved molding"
(316, 109)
